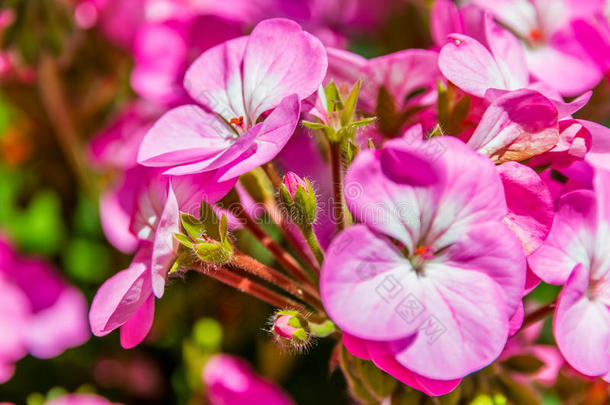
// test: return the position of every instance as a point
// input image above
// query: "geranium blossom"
(127, 299)
(576, 254)
(269, 71)
(434, 242)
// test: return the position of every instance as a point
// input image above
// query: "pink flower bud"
(283, 328)
(292, 182)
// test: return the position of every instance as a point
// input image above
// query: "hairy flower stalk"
(282, 256)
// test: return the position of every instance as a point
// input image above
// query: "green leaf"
(524, 363)
(350, 104)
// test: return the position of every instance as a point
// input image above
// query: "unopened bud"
(299, 199)
(292, 328)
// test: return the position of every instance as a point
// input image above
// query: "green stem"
(314, 244)
(324, 329)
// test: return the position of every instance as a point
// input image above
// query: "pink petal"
(215, 79)
(564, 65)
(230, 380)
(464, 326)
(280, 59)
(445, 20)
(470, 66)
(492, 249)
(530, 204)
(384, 359)
(400, 73)
(582, 326)
(183, 135)
(572, 233)
(363, 278)
(518, 125)
(63, 325)
(137, 327)
(121, 295)
(165, 245)
(273, 135)
(508, 54)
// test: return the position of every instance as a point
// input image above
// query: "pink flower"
(576, 254)
(553, 52)
(429, 280)
(231, 381)
(126, 300)
(41, 314)
(264, 75)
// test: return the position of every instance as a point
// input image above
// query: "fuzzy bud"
(292, 328)
(299, 199)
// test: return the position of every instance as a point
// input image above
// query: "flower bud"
(299, 199)
(291, 327)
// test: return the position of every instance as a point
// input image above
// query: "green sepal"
(210, 221)
(213, 252)
(333, 98)
(314, 125)
(350, 104)
(193, 227)
(184, 240)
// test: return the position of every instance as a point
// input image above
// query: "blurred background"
(78, 81)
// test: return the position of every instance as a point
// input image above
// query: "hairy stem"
(336, 169)
(284, 258)
(279, 218)
(252, 266)
(271, 172)
(314, 244)
(248, 286)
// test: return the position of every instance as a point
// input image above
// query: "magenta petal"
(530, 204)
(356, 346)
(280, 59)
(137, 327)
(121, 295)
(183, 135)
(582, 326)
(508, 54)
(231, 381)
(470, 66)
(572, 232)
(384, 359)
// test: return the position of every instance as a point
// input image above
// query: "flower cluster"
(440, 186)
